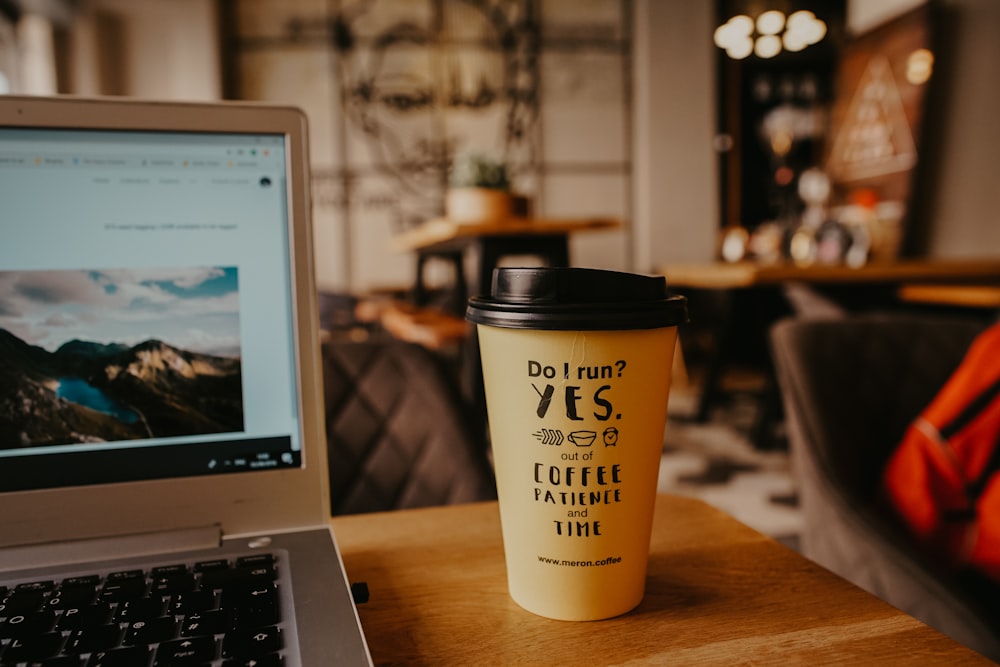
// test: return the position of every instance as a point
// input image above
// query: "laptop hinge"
(105, 548)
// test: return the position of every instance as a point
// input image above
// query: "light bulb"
(721, 36)
(919, 66)
(740, 49)
(793, 41)
(767, 46)
(770, 22)
(741, 24)
(799, 18)
(815, 32)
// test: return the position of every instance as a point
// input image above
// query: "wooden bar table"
(721, 275)
(490, 242)
(959, 296)
(877, 282)
(718, 593)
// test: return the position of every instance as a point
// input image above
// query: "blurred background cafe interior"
(776, 160)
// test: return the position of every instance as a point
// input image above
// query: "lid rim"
(564, 298)
(665, 313)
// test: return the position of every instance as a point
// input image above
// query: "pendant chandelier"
(769, 34)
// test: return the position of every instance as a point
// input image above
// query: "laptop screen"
(146, 319)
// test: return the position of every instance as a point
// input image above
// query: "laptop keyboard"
(233, 612)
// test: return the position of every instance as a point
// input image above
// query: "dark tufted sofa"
(850, 386)
(399, 435)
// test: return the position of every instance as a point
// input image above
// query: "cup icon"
(576, 369)
(582, 438)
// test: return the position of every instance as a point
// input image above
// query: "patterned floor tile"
(715, 462)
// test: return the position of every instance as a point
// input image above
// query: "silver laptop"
(163, 471)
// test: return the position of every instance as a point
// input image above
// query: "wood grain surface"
(962, 296)
(718, 593)
(720, 275)
(441, 230)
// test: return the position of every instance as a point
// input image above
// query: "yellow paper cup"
(576, 366)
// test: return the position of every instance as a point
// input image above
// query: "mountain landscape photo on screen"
(107, 355)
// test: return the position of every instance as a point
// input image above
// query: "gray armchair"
(850, 386)
(399, 435)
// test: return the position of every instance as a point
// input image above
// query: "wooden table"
(440, 231)
(960, 296)
(718, 593)
(547, 238)
(722, 275)
(808, 289)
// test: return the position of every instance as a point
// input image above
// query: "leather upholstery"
(850, 386)
(398, 434)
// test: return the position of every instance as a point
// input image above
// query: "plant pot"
(478, 205)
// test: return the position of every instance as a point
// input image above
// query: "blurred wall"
(669, 186)
(676, 180)
(964, 199)
(863, 15)
(165, 49)
(396, 90)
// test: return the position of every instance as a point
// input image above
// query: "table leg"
(419, 290)
(460, 292)
(723, 340)
(553, 249)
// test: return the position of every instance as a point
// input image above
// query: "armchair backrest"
(398, 433)
(853, 384)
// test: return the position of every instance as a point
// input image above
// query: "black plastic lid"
(568, 299)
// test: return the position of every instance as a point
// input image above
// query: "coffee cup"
(576, 369)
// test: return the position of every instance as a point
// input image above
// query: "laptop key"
(39, 586)
(254, 608)
(61, 661)
(204, 623)
(255, 560)
(86, 580)
(183, 604)
(123, 589)
(101, 638)
(25, 625)
(21, 602)
(252, 643)
(238, 577)
(81, 618)
(139, 609)
(71, 596)
(151, 631)
(130, 656)
(269, 660)
(210, 565)
(241, 594)
(168, 570)
(32, 649)
(168, 584)
(190, 650)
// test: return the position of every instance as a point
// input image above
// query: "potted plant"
(479, 191)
